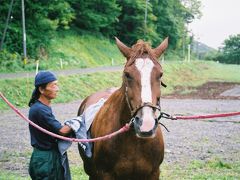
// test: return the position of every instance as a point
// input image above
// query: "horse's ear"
(126, 51)
(161, 48)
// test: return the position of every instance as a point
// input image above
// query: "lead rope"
(105, 137)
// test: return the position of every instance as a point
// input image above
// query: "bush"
(10, 61)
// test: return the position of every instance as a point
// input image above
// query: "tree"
(230, 53)
(168, 21)
(131, 25)
(96, 15)
(192, 10)
(43, 18)
(125, 19)
(172, 17)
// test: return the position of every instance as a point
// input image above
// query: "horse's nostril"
(138, 120)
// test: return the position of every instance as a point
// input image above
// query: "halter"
(138, 107)
(148, 104)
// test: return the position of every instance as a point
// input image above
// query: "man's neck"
(44, 100)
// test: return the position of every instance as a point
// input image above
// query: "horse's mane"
(140, 49)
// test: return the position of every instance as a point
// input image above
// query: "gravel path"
(64, 72)
(190, 140)
(186, 141)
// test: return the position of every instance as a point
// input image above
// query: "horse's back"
(94, 98)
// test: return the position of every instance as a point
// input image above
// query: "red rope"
(123, 129)
(208, 116)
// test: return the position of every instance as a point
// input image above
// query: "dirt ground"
(187, 140)
(209, 90)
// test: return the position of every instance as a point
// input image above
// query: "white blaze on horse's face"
(145, 67)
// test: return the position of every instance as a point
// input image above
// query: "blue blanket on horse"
(81, 126)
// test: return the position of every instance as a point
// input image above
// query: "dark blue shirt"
(41, 115)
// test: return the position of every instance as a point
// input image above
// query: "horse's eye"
(159, 78)
(128, 76)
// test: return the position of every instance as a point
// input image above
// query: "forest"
(151, 20)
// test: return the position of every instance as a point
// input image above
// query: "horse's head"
(142, 81)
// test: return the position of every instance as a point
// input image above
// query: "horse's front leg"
(102, 176)
(155, 175)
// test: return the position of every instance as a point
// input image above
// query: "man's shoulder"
(39, 107)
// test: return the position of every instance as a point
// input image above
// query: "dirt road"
(63, 72)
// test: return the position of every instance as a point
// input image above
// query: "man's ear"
(40, 89)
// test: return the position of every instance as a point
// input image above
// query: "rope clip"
(167, 116)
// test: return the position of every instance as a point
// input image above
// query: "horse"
(139, 152)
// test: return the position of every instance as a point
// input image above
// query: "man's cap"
(44, 77)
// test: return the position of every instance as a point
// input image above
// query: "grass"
(18, 91)
(17, 162)
(76, 87)
(214, 169)
(14, 165)
(71, 49)
(83, 51)
(9, 175)
(77, 173)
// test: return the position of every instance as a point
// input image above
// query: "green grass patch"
(77, 172)
(78, 51)
(201, 170)
(9, 175)
(18, 91)
(213, 169)
(72, 50)
(17, 163)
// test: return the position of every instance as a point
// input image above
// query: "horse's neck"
(118, 103)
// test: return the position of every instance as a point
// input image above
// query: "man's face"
(51, 90)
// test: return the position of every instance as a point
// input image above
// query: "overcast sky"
(220, 19)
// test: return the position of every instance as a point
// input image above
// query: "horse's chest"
(129, 157)
(135, 158)
(130, 165)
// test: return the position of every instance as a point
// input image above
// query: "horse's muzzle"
(144, 134)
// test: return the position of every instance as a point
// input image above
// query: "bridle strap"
(148, 104)
(137, 108)
(127, 99)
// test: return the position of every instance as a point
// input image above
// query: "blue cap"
(44, 77)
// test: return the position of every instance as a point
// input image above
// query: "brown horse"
(138, 153)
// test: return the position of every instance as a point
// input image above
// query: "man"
(45, 161)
